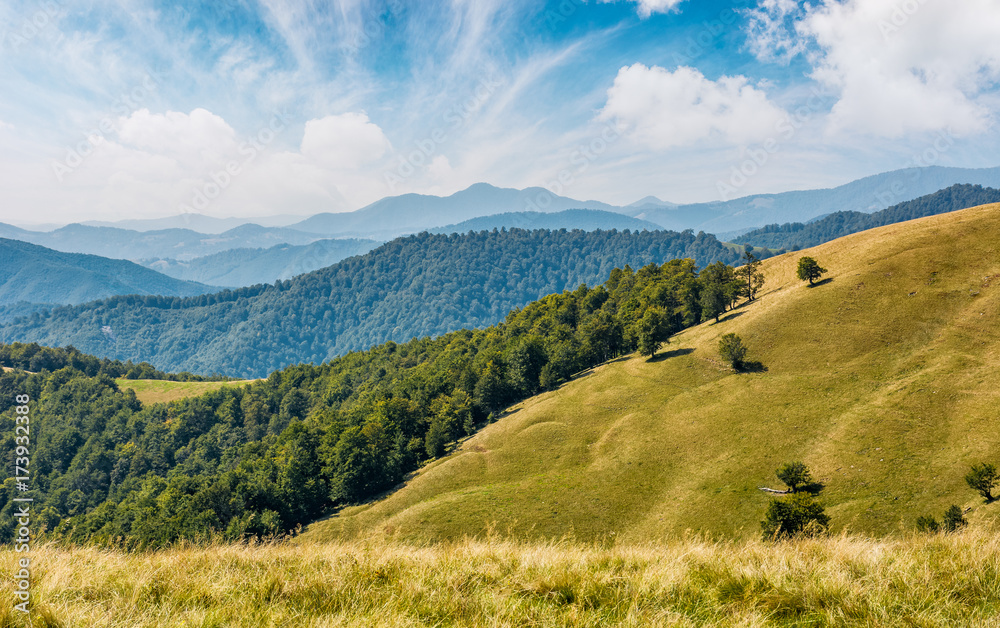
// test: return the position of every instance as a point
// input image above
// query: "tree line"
(415, 286)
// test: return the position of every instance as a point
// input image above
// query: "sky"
(143, 108)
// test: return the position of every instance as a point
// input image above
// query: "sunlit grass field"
(162, 391)
(939, 580)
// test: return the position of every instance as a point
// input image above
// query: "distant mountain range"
(797, 235)
(179, 244)
(195, 222)
(411, 213)
(864, 195)
(585, 219)
(34, 274)
(246, 267)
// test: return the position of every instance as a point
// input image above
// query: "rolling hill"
(246, 267)
(797, 235)
(35, 274)
(883, 379)
(416, 286)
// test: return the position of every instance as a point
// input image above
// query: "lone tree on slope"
(983, 478)
(795, 474)
(809, 270)
(732, 350)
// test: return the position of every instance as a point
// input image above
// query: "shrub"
(798, 515)
(732, 350)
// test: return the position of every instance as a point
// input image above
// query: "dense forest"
(262, 458)
(796, 235)
(415, 286)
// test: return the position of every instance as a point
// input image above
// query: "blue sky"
(135, 108)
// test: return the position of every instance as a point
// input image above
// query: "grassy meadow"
(163, 391)
(884, 379)
(938, 580)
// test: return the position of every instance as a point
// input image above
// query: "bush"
(928, 524)
(798, 515)
(954, 519)
(732, 350)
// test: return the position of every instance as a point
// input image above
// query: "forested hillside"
(263, 458)
(796, 235)
(35, 274)
(416, 286)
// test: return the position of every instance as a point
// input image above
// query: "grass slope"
(165, 391)
(884, 380)
(930, 581)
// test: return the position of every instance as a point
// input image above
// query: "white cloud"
(897, 66)
(664, 109)
(200, 134)
(344, 141)
(648, 7)
(772, 33)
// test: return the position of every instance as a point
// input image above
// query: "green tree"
(732, 350)
(799, 514)
(809, 270)
(719, 288)
(954, 519)
(749, 274)
(794, 474)
(651, 331)
(983, 478)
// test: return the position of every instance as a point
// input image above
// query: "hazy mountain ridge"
(864, 195)
(839, 224)
(246, 267)
(35, 274)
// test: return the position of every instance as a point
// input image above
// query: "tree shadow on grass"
(666, 355)
(821, 282)
(813, 488)
(752, 367)
(730, 316)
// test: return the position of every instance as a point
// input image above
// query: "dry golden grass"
(838, 581)
(163, 391)
(885, 380)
